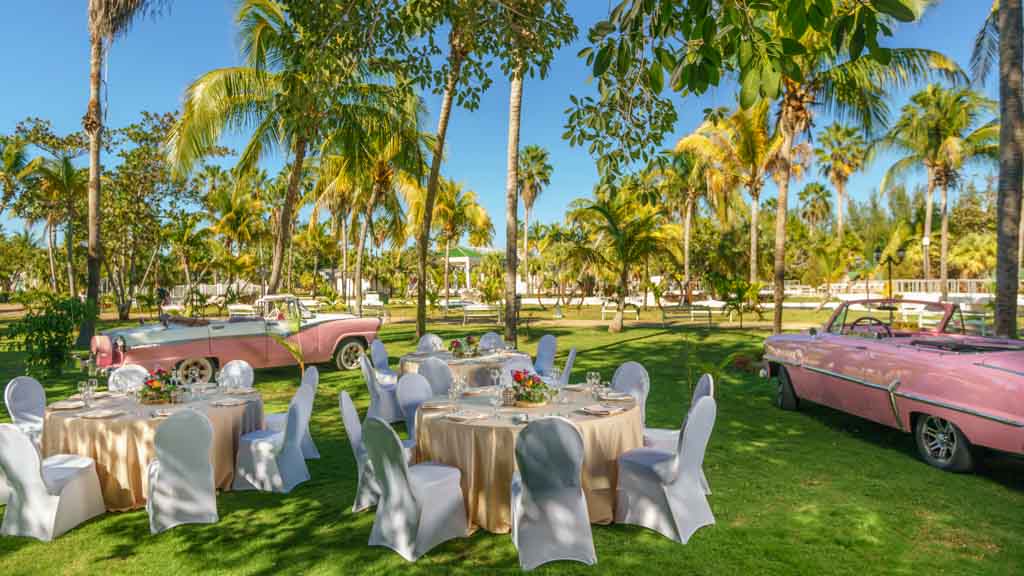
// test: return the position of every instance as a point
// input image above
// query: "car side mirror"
(813, 331)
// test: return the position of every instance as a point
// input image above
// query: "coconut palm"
(742, 145)
(841, 151)
(1001, 36)
(107, 21)
(59, 187)
(815, 204)
(682, 181)
(457, 213)
(851, 90)
(534, 174)
(186, 237)
(941, 130)
(238, 218)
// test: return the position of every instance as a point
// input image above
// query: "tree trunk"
(686, 246)
(512, 204)
(840, 203)
(51, 238)
(447, 268)
(284, 227)
(69, 249)
(344, 257)
(780, 232)
(620, 307)
(1011, 148)
(927, 240)
(92, 122)
(526, 247)
(360, 245)
(423, 238)
(291, 262)
(188, 274)
(943, 271)
(755, 209)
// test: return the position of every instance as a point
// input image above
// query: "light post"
(888, 261)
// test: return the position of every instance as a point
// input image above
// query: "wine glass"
(495, 401)
(555, 376)
(495, 377)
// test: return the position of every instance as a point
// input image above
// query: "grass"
(811, 492)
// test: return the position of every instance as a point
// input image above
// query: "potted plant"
(530, 390)
(159, 388)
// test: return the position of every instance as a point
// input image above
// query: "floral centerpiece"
(530, 390)
(158, 388)
(464, 348)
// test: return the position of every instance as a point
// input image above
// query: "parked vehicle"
(914, 366)
(197, 346)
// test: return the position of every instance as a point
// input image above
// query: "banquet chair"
(48, 497)
(550, 520)
(631, 377)
(413, 390)
(5, 490)
(491, 341)
(564, 377)
(277, 421)
(383, 401)
(236, 374)
(127, 378)
(430, 343)
(667, 439)
(26, 403)
(438, 374)
(181, 487)
(379, 356)
(420, 506)
(545, 360)
(367, 490)
(661, 489)
(272, 461)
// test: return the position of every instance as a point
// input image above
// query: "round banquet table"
(476, 370)
(122, 445)
(483, 450)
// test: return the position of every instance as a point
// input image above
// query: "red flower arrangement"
(529, 388)
(158, 388)
(463, 348)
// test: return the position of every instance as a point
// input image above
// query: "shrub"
(46, 333)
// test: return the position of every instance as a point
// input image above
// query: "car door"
(240, 339)
(290, 327)
(869, 396)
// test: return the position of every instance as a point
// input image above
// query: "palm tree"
(740, 144)
(238, 217)
(816, 205)
(1001, 35)
(940, 130)
(534, 174)
(682, 181)
(186, 237)
(851, 90)
(108, 20)
(60, 187)
(456, 213)
(841, 151)
(13, 160)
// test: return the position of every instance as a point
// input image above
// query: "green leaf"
(750, 84)
(770, 80)
(603, 60)
(585, 52)
(857, 43)
(624, 59)
(898, 9)
(655, 77)
(791, 47)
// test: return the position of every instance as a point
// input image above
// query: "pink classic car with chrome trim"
(197, 346)
(914, 366)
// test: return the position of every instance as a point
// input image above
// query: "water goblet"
(495, 401)
(495, 377)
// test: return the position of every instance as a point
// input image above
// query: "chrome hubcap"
(194, 372)
(350, 355)
(939, 439)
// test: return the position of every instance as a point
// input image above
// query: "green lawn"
(812, 492)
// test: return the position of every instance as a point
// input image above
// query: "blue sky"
(47, 58)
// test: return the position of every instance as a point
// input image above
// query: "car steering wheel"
(870, 320)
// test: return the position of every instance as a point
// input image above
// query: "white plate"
(229, 402)
(599, 410)
(103, 413)
(162, 413)
(616, 396)
(67, 405)
(437, 405)
(466, 416)
(239, 391)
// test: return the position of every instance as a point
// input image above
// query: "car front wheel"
(346, 357)
(195, 371)
(785, 397)
(942, 445)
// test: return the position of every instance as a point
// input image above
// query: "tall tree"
(682, 180)
(841, 151)
(60, 186)
(457, 213)
(108, 20)
(816, 207)
(534, 174)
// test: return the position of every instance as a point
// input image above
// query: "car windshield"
(887, 319)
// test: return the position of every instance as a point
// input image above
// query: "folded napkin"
(601, 410)
(478, 391)
(436, 405)
(615, 396)
(466, 416)
(576, 387)
(236, 391)
(96, 395)
(67, 405)
(102, 413)
(162, 413)
(229, 402)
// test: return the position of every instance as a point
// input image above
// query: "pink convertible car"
(914, 366)
(196, 346)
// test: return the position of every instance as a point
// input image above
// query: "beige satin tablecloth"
(122, 446)
(476, 370)
(484, 451)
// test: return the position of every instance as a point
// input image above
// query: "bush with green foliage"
(46, 333)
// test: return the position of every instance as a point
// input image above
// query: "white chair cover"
(379, 355)
(47, 498)
(367, 490)
(666, 439)
(277, 421)
(273, 461)
(236, 374)
(26, 403)
(550, 520)
(5, 491)
(546, 349)
(181, 487)
(631, 377)
(127, 378)
(311, 377)
(661, 490)
(438, 374)
(383, 402)
(430, 343)
(491, 341)
(420, 506)
(565, 377)
(413, 390)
